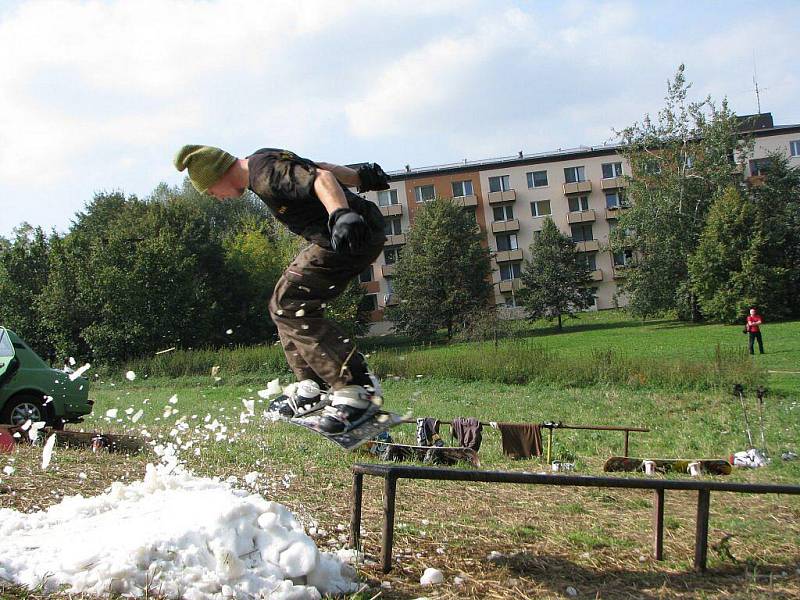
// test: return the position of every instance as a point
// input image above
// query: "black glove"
(349, 231)
(372, 178)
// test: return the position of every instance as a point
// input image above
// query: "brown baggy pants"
(316, 348)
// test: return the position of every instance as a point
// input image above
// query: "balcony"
(504, 226)
(471, 200)
(614, 213)
(508, 255)
(613, 183)
(387, 270)
(584, 216)
(587, 246)
(597, 275)
(579, 187)
(510, 285)
(395, 240)
(393, 210)
(498, 197)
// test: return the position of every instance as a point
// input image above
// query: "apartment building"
(581, 189)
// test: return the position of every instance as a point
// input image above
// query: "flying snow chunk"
(47, 452)
(8, 470)
(229, 332)
(273, 389)
(300, 313)
(71, 361)
(250, 406)
(137, 416)
(431, 576)
(111, 413)
(33, 432)
(78, 372)
(130, 375)
(174, 399)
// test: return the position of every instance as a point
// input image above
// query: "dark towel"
(427, 431)
(521, 440)
(468, 432)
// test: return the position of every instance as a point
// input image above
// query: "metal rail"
(391, 474)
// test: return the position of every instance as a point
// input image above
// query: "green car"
(30, 389)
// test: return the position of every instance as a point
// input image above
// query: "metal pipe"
(701, 532)
(441, 474)
(387, 539)
(355, 517)
(658, 524)
(625, 450)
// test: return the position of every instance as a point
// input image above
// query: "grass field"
(604, 369)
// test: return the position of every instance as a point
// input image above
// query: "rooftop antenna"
(755, 82)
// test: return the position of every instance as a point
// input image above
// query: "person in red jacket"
(752, 327)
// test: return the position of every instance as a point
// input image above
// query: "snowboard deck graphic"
(617, 464)
(375, 422)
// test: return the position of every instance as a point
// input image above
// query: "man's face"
(225, 188)
(753, 311)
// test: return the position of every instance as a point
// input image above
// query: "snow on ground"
(173, 534)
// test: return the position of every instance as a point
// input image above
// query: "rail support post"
(701, 535)
(389, 494)
(625, 450)
(658, 524)
(355, 516)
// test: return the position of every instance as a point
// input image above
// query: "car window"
(6, 348)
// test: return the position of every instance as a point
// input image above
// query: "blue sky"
(98, 95)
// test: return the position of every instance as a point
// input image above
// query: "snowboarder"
(346, 234)
(752, 327)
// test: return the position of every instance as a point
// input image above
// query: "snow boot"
(349, 407)
(301, 399)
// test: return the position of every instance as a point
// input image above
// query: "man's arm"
(345, 175)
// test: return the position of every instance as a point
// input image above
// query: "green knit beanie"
(206, 164)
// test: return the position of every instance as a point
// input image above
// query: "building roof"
(759, 125)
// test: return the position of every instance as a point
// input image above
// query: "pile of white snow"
(173, 534)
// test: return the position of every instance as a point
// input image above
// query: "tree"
(24, 271)
(555, 278)
(728, 270)
(443, 274)
(679, 162)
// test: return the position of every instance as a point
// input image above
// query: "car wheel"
(21, 408)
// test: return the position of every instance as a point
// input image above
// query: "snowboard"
(373, 423)
(436, 455)
(617, 464)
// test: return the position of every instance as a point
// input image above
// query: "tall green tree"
(728, 270)
(681, 160)
(443, 274)
(555, 278)
(24, 268)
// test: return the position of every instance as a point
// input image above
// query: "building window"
(537, 179)
(579, 204)
(589, 259)
(582, 232)
(612, 170)
(510, 271)
(424, 193)
(506, 242)
(387, 198)
(540, 208)
(392, 254)
(462, 188)
(794, 148)
(574, 174)
(499, 183)
(366, 275)
(392, 226)
(651, 166)
(503, 213)
(369, 303)
(623, 258)
(615, 200)
(760, 166)
(510, 302)
(594, 296)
